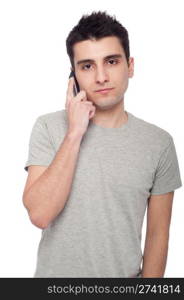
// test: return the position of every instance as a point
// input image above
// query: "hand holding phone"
(79, 109)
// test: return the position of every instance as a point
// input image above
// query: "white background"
(34, 69)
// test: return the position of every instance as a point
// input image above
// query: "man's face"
(99, 65)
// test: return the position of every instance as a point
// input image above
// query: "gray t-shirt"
(98, 233)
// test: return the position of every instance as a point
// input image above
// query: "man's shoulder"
(52, 118)
(151, 132)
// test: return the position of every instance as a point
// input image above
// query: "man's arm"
(157, 235)
(47, 196)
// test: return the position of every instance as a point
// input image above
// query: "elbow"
(35, 218)
(38, 221)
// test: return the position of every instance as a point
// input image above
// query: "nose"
(101, 75)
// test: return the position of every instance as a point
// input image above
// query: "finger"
(70, 88)
(81, 96)
(69, 93)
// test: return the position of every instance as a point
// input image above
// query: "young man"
(94, 168)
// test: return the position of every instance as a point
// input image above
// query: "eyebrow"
(105, 58)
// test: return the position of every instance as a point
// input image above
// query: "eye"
(87, 65)
(112, 61)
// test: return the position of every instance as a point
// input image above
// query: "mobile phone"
(76, 88)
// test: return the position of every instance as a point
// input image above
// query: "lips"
(104, 90)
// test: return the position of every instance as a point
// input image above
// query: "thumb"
(92, 113)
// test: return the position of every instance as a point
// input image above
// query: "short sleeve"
(41, 151)
(167, 175)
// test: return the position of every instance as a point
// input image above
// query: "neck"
(112, 118)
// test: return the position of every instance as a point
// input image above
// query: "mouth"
(104, 91)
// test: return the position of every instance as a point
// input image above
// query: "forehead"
(94, 49)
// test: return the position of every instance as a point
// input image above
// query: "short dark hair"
(97, 25)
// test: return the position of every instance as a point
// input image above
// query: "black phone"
(76, 88)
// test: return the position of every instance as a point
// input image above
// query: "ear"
(131, 67)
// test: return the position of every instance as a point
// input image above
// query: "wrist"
(74, 135)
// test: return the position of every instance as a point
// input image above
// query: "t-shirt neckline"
(113, 130)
